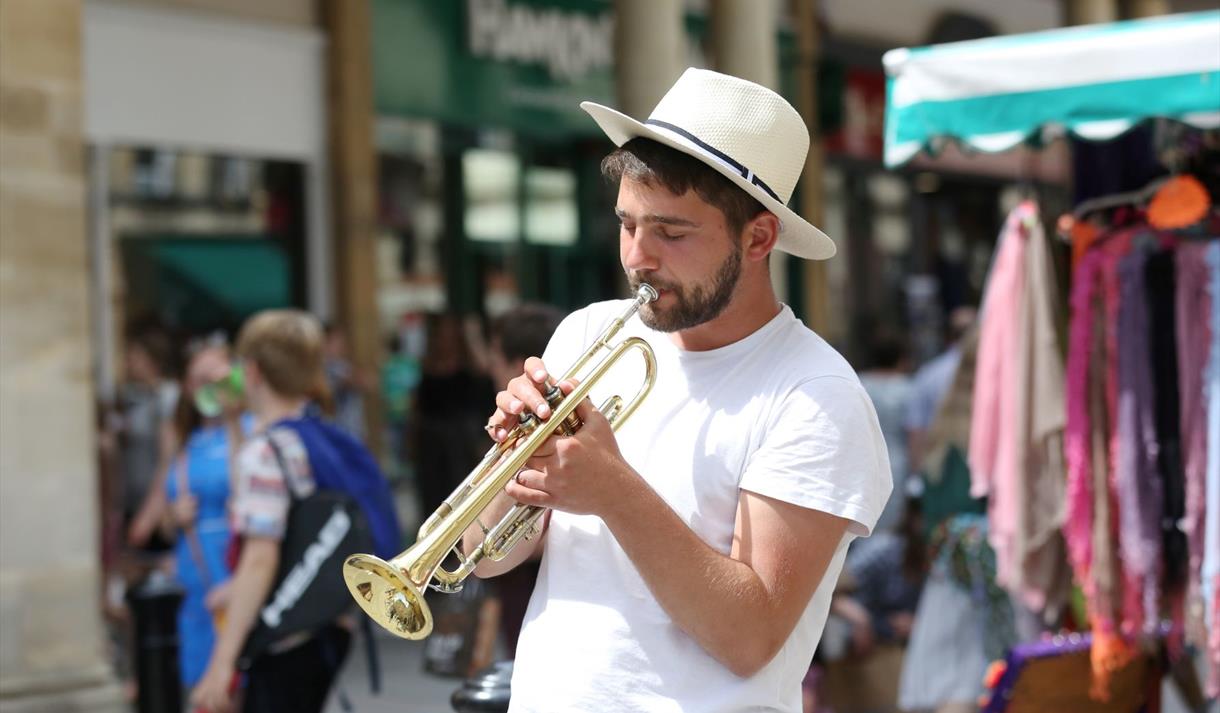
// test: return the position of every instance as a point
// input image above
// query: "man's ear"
(760, 235)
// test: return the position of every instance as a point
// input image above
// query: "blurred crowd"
(171, 448)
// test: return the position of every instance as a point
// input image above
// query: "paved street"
(406, 687)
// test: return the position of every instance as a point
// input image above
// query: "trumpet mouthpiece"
(646, 293)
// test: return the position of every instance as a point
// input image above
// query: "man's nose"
(637, 253)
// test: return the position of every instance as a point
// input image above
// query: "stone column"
(354, 188)
(743, 45)
(648, 52)
(51, 645)
(1090, 12)
(1147, 8)
(817, 286)
(743, 40)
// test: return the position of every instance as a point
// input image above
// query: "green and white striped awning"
(1095, 81)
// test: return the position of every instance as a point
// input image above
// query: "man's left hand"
(580, 474)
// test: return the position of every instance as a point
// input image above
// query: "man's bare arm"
(742, 607)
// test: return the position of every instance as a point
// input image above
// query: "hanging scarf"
(1090, 447)
(1161, 279)
(1078, 519)
(993, 426)
(1194, 336)
(1210, 574)
(1043, 576)
(1136, 475)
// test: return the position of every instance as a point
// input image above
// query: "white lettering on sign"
(568, 44)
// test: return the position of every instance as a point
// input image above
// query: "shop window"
(411, 220)
(200, 241)
(551, 215)
(490, 183)
(891, 225)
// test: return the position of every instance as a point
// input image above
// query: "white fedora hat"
(744, 131)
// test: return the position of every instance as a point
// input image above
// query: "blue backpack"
(340, 462)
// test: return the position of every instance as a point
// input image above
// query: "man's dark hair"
(655, 164)
(524, 330)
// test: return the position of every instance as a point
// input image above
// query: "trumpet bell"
(387, 596)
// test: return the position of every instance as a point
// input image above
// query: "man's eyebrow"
(654, 218)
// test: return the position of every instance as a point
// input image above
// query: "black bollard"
(154, 606)
(485, 692)
(449, 650)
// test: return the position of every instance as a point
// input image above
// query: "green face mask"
(214, 397)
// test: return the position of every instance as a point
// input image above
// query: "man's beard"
(694, 305)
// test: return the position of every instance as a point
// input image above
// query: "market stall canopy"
(1095, 81)
(203, 283)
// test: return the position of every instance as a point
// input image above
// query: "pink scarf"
(993, 427)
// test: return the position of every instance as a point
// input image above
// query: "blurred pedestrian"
(874, 609)
(399, 378)
(516, 335)
(931, 383)
(347, 384)
(447, 437)
(889, 386)
(146, 404)
(189, 504)
(132, 435)
(964, 621)
(281, 358)
(887, 571)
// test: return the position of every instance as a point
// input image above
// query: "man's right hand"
(524, 394)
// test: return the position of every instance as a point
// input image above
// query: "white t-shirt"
(778, 413)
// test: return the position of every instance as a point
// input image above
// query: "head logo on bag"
(303, 572)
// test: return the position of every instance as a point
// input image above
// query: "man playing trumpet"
(689, 561)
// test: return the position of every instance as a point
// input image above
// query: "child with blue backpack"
(290, 457)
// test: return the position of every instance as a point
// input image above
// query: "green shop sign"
(513, 63)
(519, 64)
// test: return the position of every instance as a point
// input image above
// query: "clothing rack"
(1116, 200)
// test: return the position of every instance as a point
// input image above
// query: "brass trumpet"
(392, 592)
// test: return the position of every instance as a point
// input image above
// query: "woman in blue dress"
(197, 493)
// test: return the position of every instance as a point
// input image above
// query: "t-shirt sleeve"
(823, 450)
(260, 501)
(569, 339)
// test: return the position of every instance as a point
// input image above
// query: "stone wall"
(51, 645)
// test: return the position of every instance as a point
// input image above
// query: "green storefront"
(490, 188)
